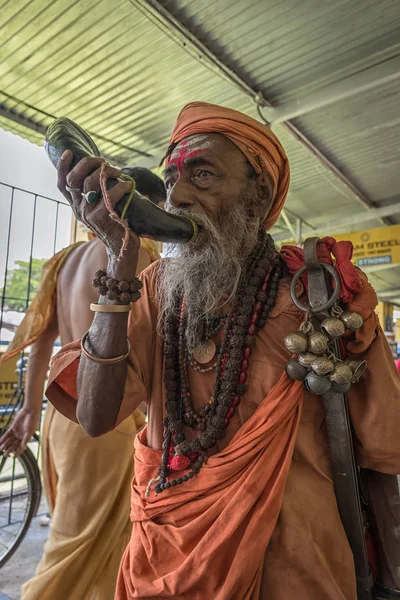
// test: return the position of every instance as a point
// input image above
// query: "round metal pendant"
(204, 352)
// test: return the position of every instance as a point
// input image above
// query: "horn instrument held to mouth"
(144, 218)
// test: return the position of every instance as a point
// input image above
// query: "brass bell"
(341, 374)
(333, 327)
(295, 370)
(306, 358)
(317, 384)
(317, 343)
(358, 367)
(296, 342)
(341, 388)
(306, 327)
(351, 320)
(322, 365)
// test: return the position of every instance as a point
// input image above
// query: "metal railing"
(30, 225)
(8, 197)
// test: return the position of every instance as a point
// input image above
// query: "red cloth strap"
(355, 290)
(333, 253)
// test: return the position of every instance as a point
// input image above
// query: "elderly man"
(87, 497)
(233, 495)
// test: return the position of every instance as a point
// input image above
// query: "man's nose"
(180, 195)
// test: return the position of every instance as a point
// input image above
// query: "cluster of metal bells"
(315, 364)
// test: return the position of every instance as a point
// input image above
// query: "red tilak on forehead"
(184, 154)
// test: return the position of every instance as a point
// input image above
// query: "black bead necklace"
(255, 296)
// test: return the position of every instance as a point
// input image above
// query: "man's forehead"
(210, 148)
(193, 144)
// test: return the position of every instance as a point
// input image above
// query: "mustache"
(202, 220)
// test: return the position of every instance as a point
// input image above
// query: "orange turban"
(255, 140)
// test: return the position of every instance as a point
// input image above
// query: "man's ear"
(266, 193)
(266, 186)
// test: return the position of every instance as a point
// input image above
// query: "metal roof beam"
(376, 76)
(389, 293)
(379, 268)
(345, 181)
(182, 36)
(288, 223)
(12, 115)
(349, 222)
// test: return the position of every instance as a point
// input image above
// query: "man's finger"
(92, 182)
(20, 449)
(10, 448)
(5, 439)
(82, 170)
(62, 172)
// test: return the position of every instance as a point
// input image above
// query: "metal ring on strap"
(332, 299)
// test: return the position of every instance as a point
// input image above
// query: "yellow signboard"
(8, 386)
(373, 247)
(8, 379)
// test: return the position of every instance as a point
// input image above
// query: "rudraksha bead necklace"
(255, 297)
(212, 324)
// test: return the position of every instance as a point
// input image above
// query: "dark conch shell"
(63, 134)
(144, 218)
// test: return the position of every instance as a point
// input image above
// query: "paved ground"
(22, 565)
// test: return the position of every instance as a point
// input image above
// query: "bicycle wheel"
(20, 492)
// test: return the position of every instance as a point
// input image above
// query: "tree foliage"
(17, 283)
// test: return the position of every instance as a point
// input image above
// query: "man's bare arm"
(26, 420)
(38, 365)
(101, 386)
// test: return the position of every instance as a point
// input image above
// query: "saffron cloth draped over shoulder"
(256, 141)
(42, 308)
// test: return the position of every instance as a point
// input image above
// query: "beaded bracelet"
(114, 289)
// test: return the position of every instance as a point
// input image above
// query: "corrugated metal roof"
(22, 131)
(362, 135)
(288, 48)
(116, 70)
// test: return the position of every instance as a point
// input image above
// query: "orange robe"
(89, 501)
(266, 522)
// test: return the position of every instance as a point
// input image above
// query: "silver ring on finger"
(71, 189)
(90, 197)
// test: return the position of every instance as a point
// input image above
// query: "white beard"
(207, 271)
